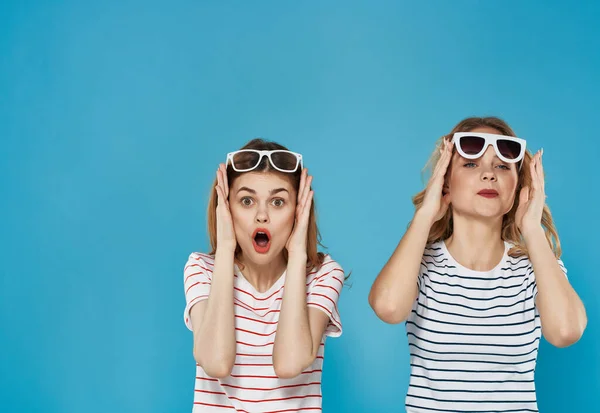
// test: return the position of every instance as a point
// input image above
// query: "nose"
(488, 176)
(262, 217)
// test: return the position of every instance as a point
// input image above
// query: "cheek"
(283, 221)
(240, 216)
(510, 181)
(510, 188)
(459, 183)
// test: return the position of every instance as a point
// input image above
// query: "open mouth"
(261, 240)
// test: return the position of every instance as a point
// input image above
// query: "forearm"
(562, 313)
(395, 289)
(293, 349)
(214, 338)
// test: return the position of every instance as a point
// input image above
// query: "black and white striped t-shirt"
(473, 336)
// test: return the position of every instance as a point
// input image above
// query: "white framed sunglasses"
(246, 160)
(472, 145)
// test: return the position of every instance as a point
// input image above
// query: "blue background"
(114, 116)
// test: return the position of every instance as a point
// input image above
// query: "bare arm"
(562, 313)
(395, 288)
(299, 329)
(213, 322)
(213, 319)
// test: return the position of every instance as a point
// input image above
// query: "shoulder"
(522, 262)
(329, 268)
(519, 263)
(516, 260)
(435, 255)
(200, 261)
(434, 248)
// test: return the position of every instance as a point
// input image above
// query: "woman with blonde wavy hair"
(261, 303)
(478, 277)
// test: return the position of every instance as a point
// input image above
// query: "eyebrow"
(278, 190)
(272, 192)
(245, 188)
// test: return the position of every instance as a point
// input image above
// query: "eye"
(470, 165)
(247, 201)
(504, 167)
(278, 202)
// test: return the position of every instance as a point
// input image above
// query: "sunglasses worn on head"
(472, 145)
(246, 160)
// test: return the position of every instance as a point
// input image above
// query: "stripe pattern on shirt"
(473, 336)
(253, 385)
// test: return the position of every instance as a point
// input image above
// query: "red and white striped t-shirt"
(253, 385)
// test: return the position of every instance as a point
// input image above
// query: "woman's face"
(263, 206)
(482, 187)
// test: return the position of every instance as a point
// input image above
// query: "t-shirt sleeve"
(323, 292)
(432, 255)
(534, 282)
(197, 277)
(422, 270)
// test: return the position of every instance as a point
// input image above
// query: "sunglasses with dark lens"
(246, 160)
(472, 145)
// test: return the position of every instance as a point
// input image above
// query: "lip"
(258, 248)
(488, 193)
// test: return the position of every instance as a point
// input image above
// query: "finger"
(220, 195)
(533, 173)
(537, 178)
(219, 178)
(302, 184)
(540, 170)
(441, 160)
(225, 181)
(443, 150)
(307, 190)
(448, 155)
(537, 195)
(442, 166)
(524, 195)
(305, 214)
(302, 201)
(224, 188)
(309, 202)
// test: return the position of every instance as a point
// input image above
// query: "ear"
(446, 193)
(446, 188)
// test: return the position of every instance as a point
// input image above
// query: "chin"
(489, 213)
(262, 259)
(478, 211)
(485, 209)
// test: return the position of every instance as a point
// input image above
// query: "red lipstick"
(488, 193)
(261, 240)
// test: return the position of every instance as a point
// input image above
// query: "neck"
(263, 276)
(476, 243)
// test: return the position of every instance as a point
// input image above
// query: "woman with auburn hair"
(478, 277)
(261, 303)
